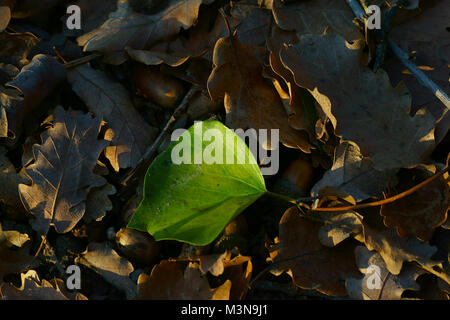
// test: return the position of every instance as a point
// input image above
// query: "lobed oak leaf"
(170, 280)
(310, 264)
(387, 286)
(250, 102)
(365, 108)
(98, 202)
(62, 173)
(128, 133)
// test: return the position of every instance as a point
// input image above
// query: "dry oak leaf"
(310, 264)
(16, 47)
(353, 174)
(387, 286)
(98, 202)
(128, 133)
(9, 180)
(62, 173)
(249, 101)
(112, 267)
(126, 28)
(424, 210)
(169, 280)
(13, 261)
(33, 288)
(237, 269)
(426, 38)
(362, 105)
(31, 86)
(314, 17)
(393, 249)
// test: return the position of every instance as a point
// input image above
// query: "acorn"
(139, 247)
(202, 105)
(129, 208)
(297, 180)
(159, 88)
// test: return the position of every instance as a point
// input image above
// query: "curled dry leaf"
(13, 261)
(62, 173)
(33, 84)
(382, 285)
(250, 102)
(112, 267)
(128, 133)
(169, 280)
(422, 211)
(353, 174)
(16, 47)
(33, 288)
(310, 264)
(98, 202)
(314, 17)
(362, 105)
(126, 28)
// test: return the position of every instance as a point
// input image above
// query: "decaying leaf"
(353, 173)
(13, 261)
(169, 280)
(250, 102)
(33, 288)
(128, 133)
(126, 28)
(338, 227)
(112, 267)
(364, 106)
(393, 249)
(426, 37)
(9, 180)
(62, 173)
(33, 84)
(314, 17)
(98, 202)
(380, 285)
(16, 48)
(310, 264)
(424, 210)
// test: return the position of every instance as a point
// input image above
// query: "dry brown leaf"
(393, 249)
(353, 174)
(126, 28)
(128, 133)
(424, 210)
(95, 13)
(169, 280)
(13, 261)
(338, 227)
(31, 86)
(362, 105)
(33, 288)
(314, 17)
(391, 286)
(16, 48)
(98, 202)
(9, 180)
(426, 37)
(62, 172)
(112, 267)
(310, 264)
(250, 102)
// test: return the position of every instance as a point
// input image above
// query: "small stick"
(77, 62)
(405, 59)
(151, 151)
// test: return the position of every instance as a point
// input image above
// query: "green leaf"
(192, 202)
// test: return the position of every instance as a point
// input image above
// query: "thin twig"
(405, 59)
(151, 151)
(388, 200)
